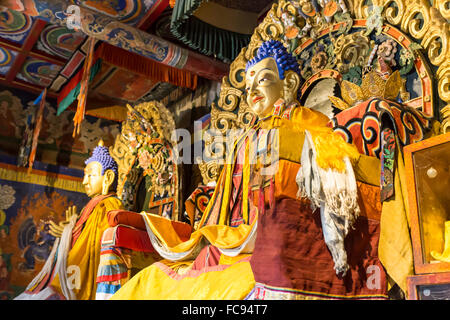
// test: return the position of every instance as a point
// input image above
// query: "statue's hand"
(56, 230)
(71, 212)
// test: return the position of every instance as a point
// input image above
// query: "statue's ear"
(291, 85)
(108, 180)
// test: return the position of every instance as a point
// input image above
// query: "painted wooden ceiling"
(35, 54)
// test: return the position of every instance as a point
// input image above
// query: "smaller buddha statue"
(71, 269)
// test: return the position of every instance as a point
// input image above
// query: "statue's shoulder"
(295, 119)
(306, 117)
(111, 203)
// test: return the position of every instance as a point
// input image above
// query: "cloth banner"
(82, 96)
(37, 128)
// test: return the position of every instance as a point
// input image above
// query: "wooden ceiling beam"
(152, 14)
(22, 85)
(142, 42)
(29, 43)
(38, 55)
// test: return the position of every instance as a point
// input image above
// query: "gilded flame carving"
(149, 126)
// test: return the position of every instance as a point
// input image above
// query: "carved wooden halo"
(428, 24)
(402, 20)
(125, 154)
(425, 102)
(322, 74)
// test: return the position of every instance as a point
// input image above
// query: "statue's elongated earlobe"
(108, 180)
(291, 85)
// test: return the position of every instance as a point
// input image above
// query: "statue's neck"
(281, 108)
(100, 196)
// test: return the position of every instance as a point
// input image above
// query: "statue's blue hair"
(101, 155)
(275, 49)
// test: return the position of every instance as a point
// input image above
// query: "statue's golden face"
(263, 86)
(93, 179)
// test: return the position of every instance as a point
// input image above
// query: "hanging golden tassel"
(82, 96)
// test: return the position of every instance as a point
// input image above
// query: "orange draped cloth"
(84, 257)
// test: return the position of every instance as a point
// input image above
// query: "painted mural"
(56, 144)
(126, 11)
(15, 26)
(100, 25)
(59, 41)
(6, 60)
(38, 72)
(27, 203)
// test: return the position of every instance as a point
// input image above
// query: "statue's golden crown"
(374, 84)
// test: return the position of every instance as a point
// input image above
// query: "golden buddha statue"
(71, 269)
(260, 236)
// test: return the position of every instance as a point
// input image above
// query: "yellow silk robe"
(85, 254)
(232, 279)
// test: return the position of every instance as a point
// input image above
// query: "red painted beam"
(152, 14)
(48, 58)
(178, 56)
(38, 55)
(15, 68)
(35, 32)
(30, 41)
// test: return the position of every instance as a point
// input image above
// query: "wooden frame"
(420, 265)
(413, 283)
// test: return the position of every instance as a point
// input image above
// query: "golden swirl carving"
(393, 13)
(436, 38)
(245, 117)
(229, 97)
(444, 7)
(351, 50)
(209, 171)
(271, 27)
(285, 6)
(237, 72)
(124, 157)
(221, 120)
(255, 42)
(360, 9)
(443, 74)
(445, 115)
(410, 21)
